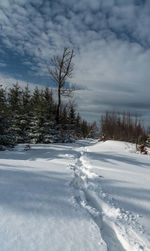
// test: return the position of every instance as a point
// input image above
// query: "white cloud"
(3, 64)
(112, 71)
(7, 83)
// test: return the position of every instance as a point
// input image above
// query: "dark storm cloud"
(111, 39)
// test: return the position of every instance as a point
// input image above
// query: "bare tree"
(124, 127)
(60, 71)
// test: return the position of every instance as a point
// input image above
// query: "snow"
(117, 184)
(85, 196)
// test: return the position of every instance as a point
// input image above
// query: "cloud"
(111, 39)
(3, 64)
(9, 82)
(115, 76)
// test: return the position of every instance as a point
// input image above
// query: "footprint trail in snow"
(118, 228)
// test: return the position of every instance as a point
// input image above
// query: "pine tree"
(26, 100)
(42, 122)
(93, 130)
(26, 114)
(14, 98)
(5, 137)
(84, 129)
(49, 106)
(148, 141)
(64, 119)
(72, 116)
(15, 107)
(27, 117)
(78, 126)
(36, 100)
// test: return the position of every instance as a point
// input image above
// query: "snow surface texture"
(84, 196)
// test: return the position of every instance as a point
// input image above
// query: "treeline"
(122, 127)
(31, 117)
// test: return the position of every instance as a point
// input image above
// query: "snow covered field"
(85, 196)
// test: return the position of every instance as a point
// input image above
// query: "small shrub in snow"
(148, 141)
(141, 148)
(2, 148)
(27, 147)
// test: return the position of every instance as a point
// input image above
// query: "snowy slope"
(37, 210)
(85, 196)
(116, 184)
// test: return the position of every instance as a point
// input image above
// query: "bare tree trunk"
(60, 72)
(58, 105)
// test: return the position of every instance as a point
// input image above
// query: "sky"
(111, 41)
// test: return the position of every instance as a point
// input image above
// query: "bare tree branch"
(60, 72)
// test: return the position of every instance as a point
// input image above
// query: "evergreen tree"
(15, 98)
(15, 108)
(72, 116)
(84, 129)
(3, 118)
(26, 100)
(78, 126)
(93, 130)
(36, 100)
(5, 137)
(148, 141)
(27, 117)
(49, 107)
(43, 112)
(64, 119)
(26, 114)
